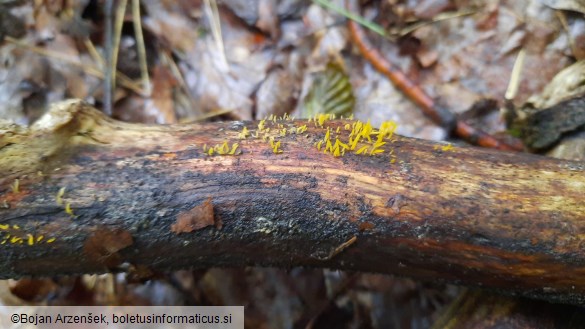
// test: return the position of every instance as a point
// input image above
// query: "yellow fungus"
(319, 143)
(283, 132)
(336, 152)
(31, 239)
(379, 144)
(16, 227)
(234, 148)
(338, 129)
(342, 144)
(51, 240)
(447, 147)
(275, 146)
(224, 148)
(261, 124)
(16, 186)
(328, 146)
(321, 119)
(367, 131)
(40, 238)
(353, 144)
(363, 149)
(59, 197)
(4, 226)
(68, 209)
(387, 129)
(15, 239)
(244, 133)
(347, 126)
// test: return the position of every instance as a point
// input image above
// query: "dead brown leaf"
(195, 219)
(139, 273)
(103, 245)
(161, 106)
(32, 289)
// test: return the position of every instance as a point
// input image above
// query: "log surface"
(81, 193)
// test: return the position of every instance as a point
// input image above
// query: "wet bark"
(81, 193)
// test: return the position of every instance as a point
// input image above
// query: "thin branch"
(137, 19)
(109, 75)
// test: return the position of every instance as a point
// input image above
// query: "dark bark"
(149, 196)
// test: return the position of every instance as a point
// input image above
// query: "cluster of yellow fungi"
(10, 236)
(59, 199)
(223, 149)
(360, 133)
(363, 138)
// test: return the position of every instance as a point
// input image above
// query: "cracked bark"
(507, 221)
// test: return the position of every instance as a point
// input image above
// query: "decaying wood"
(512, 222)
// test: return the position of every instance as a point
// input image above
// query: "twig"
(357, 18)
(94, 53)
(167, 59)
(98, 73)
(212, 13)
(109, 77)
(140, 46)
(117, 36)
(438, 18)
(514, 83)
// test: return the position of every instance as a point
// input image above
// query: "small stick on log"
(97, 195)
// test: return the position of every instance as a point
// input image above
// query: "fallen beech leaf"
(139, 274)
(195, 219)
(103, 246)
(161, 105)
(32, 289)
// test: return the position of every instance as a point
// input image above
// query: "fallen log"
(82, 193)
